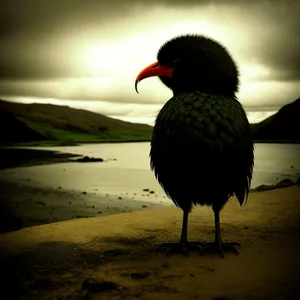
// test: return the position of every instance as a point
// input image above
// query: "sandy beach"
(110, 257)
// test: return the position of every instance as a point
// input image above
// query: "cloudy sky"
(87, 54)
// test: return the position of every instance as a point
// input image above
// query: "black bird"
(201, 150)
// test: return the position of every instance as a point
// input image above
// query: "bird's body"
(201, 149)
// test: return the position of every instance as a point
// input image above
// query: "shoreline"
(22, 157)
(78, 143)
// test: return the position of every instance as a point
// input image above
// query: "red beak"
(154, 69)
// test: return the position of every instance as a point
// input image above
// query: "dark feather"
(201, 150)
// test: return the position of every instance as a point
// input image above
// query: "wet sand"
(26, 204)
(109, 257)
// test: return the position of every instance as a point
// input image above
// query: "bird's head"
(190, 63)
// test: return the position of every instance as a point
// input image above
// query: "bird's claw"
(220, 248)
(179, 248)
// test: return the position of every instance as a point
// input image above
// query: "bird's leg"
(183, 245)
(218, 246)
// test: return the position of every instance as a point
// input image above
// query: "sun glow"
(102, 59)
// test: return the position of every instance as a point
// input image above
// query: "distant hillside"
(12, 130)
(46, 123)
(23, 123)
(281, 127)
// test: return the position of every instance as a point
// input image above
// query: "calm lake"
(130, 173)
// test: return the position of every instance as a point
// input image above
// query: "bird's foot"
(220, 248)
(180, 248)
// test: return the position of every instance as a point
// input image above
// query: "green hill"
(283, 127)
(47, 123)
(36, 124)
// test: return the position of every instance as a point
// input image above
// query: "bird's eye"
(176, 62)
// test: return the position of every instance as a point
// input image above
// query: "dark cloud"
(35, 64)
(275, 43)
(40, 17)
(36, 38)
(35, 35)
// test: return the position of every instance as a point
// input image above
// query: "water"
(130, 173)
(273, 162)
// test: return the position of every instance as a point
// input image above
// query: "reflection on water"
(131, 173)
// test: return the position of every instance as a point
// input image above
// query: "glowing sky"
(86, 54)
